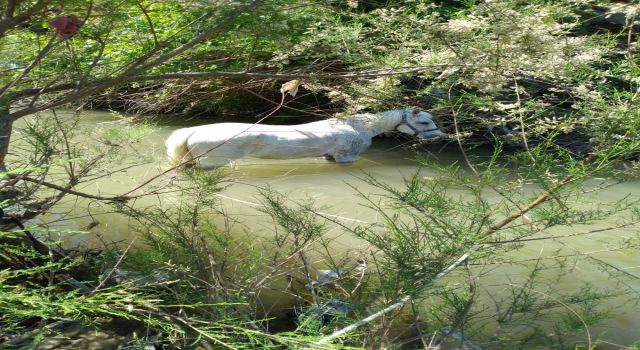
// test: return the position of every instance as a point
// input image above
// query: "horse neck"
(380, 122)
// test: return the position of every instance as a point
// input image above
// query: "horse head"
(420, 124)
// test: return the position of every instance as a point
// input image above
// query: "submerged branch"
(400, 303)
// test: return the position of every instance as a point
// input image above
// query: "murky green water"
(333, 188)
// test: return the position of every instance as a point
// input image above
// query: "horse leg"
(345, 156)
(329, 158)
(210, 157)
(352, 150)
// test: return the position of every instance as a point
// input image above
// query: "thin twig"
(521, 118)
(115, 266)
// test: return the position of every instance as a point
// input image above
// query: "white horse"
(215, 145)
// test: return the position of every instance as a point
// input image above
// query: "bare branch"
(135, 71)
(519, 213)
(9, 22)
(68, 190)
(50, 45)
(225, 74)
(150, 22)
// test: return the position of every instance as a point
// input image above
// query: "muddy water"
(333, 188)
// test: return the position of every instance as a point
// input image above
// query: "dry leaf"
(291, 87)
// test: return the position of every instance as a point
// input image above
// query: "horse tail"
(177, 149)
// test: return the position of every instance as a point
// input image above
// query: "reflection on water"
(334, 188)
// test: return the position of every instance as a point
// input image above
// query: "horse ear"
(405, 129)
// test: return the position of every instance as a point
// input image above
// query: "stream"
(333, 188)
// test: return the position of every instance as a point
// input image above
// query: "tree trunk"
(6, 125)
